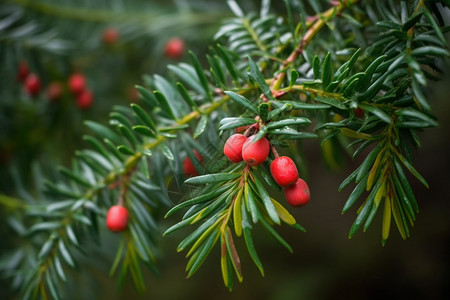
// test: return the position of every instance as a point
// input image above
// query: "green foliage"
(236, 199)
(372, 56)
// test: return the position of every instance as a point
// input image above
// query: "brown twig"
(319, 22)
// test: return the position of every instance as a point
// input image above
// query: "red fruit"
(255, 153)
(188, 166)
(23, 71)
(284, 171)
(233, 147)
(77, 83)
(117, 218)
(85, 99)
(298, 193)
(174, 48)
(110, 35)
(54, 91)
(32, 84)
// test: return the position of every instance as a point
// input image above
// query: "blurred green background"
(325, 263)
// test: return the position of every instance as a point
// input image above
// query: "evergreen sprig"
(261, 73)
(238, 197)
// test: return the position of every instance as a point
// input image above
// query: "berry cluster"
(32, 84)
(239, 147)
(31, 81)
(55, 90)
(83, 95)
(285, 173)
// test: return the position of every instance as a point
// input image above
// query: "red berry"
(117, 218)
(23, 71)
(233, 147)
(188, 166)
(255, 153)
(298, 193)
(174, 48)
(284, 171)
(77, 83)
(85, 99)
(359, 113)
(32, 84)
(54, 91)
(110, 35)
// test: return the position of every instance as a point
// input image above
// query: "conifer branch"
(318, 24)
(370, 104)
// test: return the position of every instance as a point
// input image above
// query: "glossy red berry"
(117, 218)
(23, 71)
(255, 153)
(54, 91)
(297, 194)
(77, 83)
(174, 48)
(110, 35)
(188, 166)
(85, 99)
(233, 147)
(32, 84)
(284, 171)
